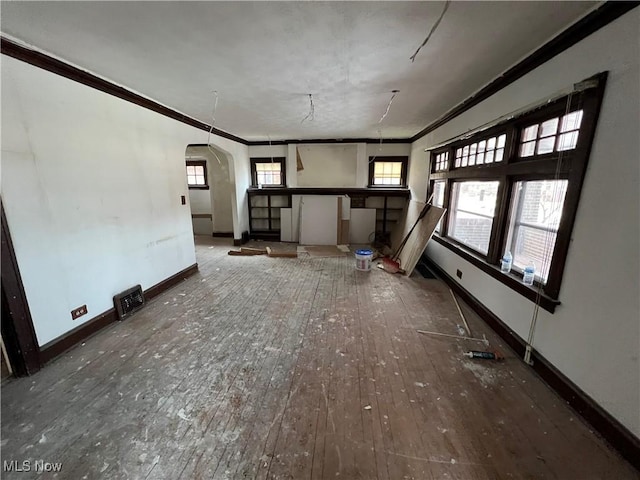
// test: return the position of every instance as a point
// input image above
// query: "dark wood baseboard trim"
(167, 283)
(54, 65)
(627, 444)
(61, 344)
(223, 234)
(202, 215)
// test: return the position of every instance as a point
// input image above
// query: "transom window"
(268, 172)
(485, 151)
(442, 162)
(546, 137)
(197, 174)
(498, 203)
(388, 171)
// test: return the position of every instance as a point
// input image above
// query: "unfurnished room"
(320, 240)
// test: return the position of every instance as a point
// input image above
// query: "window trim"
(283, 171)
(514, 168)
(199, 163)
(403, 170)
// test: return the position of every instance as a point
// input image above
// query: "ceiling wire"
(433, 29)
(312, 109)
(213, 122)
(379, 146)
(394, 92)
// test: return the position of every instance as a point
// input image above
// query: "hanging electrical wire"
(433, 29)
(379, 146)
(386, 112)
(213, 121)
(312, 109)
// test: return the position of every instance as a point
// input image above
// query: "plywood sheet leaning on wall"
(420, 236)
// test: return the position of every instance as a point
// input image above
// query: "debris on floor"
(247, 252)
(493, 355)
(281, 254)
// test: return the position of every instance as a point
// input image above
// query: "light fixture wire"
(312, 109)
(213, 121)
(433, 29)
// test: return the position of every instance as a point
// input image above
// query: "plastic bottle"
(529, 274)
(506, 262)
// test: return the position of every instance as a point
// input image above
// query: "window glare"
(471, 217)
(535, 217)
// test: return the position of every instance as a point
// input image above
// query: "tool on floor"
(494, 355)
(392, 265)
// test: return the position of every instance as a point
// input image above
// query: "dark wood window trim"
(18, 331)
(513, 169)
(283, 170)
(403, 171)
(199, 163)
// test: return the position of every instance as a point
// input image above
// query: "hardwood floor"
(278, 368)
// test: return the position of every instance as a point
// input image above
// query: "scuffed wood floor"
(276, 368)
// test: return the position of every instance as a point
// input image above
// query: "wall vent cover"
(129, 301)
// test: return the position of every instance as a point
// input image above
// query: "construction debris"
(281, 254)
(248, 252)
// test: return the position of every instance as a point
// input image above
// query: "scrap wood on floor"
(281, 254)
(247, 252)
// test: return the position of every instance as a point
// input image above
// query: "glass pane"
(377, 168)
(438, 198)
(480, 158)
(501, 140)
(530, 133)
(482, 146)
(527, 149)
(465, 150)
(568, 141)
(537, 211)
(191, 170)
(458, 153)
(457, 162)
(571, 121)
(545, 145)
(550, 127)
(491, 143)
(465, 160)
(489, 157)
(472, 160)
(477, 197)
(499, 154)
(191, 179)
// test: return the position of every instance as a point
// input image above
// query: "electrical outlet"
(78, 312)
(183, 199)
(459, 274)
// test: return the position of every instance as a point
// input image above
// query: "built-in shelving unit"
(265, 205)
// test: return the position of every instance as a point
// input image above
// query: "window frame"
(198, 163)
(283, 171)
(513, 169)
(403, 170)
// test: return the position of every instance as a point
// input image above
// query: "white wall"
(91, 186)
(328, 166)
(594, 336)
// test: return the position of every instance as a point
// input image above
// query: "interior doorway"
(210, 191)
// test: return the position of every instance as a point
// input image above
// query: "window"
(197, 174)
(473, 207)
(438, 197)
(545, 137)
(515, 186)
(388, 171)
(268, 172)
(483, 152)
(442, 162)
(533, 224)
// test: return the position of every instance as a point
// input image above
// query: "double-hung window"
(515, 187)
(268, 172)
